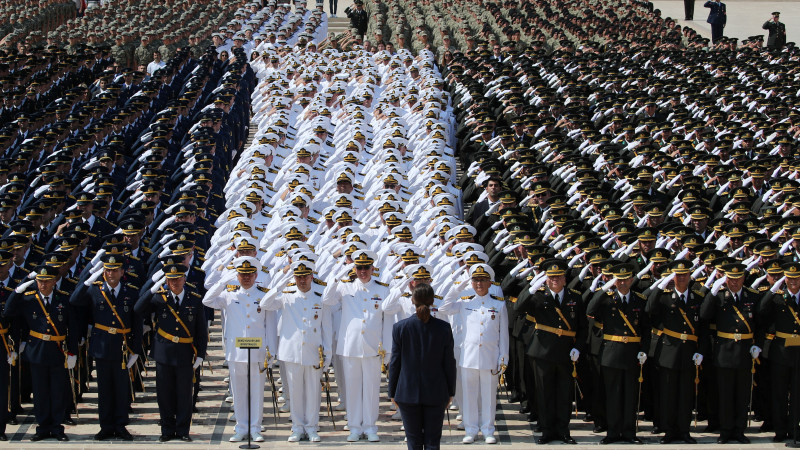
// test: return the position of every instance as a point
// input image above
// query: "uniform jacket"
(244, 317)
(720, 310)
(361, 323)
(572, 318)
(607, 308)
(484, 322)
(94, 310)
(666, 312)
(779, 313)
(718, 14)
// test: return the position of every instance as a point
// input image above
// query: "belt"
(47, 337)
(682, 336)
(3, 330)
(623, 339)
(554, 330)
(598, 325)
(789, 340)
(735, 336)
(530, 318)
(175, 339)
(656, 331)
(111, 330)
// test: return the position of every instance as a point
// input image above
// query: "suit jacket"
(192, 314)
(666, 313)
(546, 344)
(607, 308)
(31, 318)
(717, 14)
(777, 34)
(422, 370)
(778, 312)
(720, 310)
(95, 308)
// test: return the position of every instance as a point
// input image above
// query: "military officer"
(625, 337)
(484, 352)
(304, 347)
(8, 353)
(559, 338)
(359, 344)
(50, 347)
(114, 342)
(244, 317)
(732, 308)
(181, 337)
(674, 313)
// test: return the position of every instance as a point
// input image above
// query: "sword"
(577, 388)
(639, 398)
(752, 384)
(326, 385)
(382, 353)
(71, 381)
(271, 378)
(696, 384)
(449, 427)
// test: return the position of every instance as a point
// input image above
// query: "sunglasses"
(363, 267)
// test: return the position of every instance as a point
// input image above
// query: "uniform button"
(248, 327)
(480, 345)
(481, 334)
(363, 320)
(362, 331)
(248, 315)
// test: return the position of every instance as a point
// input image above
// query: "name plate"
(248, 342)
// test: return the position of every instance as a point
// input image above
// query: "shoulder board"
(764, 288)
(292, 284)
(467, 297)
(346, 280)
(62, 292)
(290, 291)
(161, 291)
(575, 292)
(314, 221)
(609, 293)
(131, 286)
(98, 283)
(319, 294)
(496, 283)
(697, 292)
(135, 258)
(191, 285)
(198, 269)
(406, 294)
(666, 291)
(752, 290)
(232, 287)
(435, 296)
(146, 250)
(496, 297)
(263, 269)
(262, 289)
(133, 274)
(195, 294)
(30, 292)
(640, 295)
(382, 283)
(320, 282)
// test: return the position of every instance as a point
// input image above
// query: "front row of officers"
(683, 325)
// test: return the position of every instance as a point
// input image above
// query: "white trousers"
(302, 383)
(338, 369)
(362, 376)
(238, 372)
(479, 401)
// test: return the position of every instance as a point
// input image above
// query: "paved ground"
(745, 17)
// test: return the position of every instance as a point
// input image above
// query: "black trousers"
(553, 386)
(333, 5)
(5, 386)
(622, 391)
(716, 32)
(688, 7)
(677, 396)
(423, 425)
(50, 393)
(785, 388)
(113, 394)
(734, 394)
(598, 401)
(174, 395)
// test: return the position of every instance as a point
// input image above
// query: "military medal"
(60, 318)
(102, 307)
(125, 308)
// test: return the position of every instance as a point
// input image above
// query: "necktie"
(736, 298)
(683, 300)
(555, 298)
(46, 300)
(177, 301)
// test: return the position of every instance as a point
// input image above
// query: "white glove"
(22, 347)
(642, 357)
(574, 354)
(146, 328)
(11, 358)
(755, 351)
(71, 361)
(132, 360)
(83, 341)
(698, 359)
(197, 363)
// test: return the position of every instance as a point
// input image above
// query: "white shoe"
(339, 407)
(263, 428)
(232, 418)
(353, 437)
(346, 428)
(459, 417)
(284, 408)
(468, 439)
(453, 407)
(402, 428)
(460, 426)
(490, 439)
(313, 436)
(238, 437)
(281, 399)
(257, 437)
(229, 399)
(295, 437)
(396, 416)
(373, 437)
(227, 379)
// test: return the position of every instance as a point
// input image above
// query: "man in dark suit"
(114, 343)
(717, 17)
(560, 336)
(732, 309)
(181, 337)
(626, 334)
(777, 32)
(50, 348)
(359, 18)
(422, 372)
(675, 313)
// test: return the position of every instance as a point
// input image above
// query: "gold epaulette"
(382, 283)
(30, 292)
(319, 282)
(262, 289)
(640, 295)
(97, 283)
(467, 297)
(232, 287)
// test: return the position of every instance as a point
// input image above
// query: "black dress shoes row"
(670, 438)
(630, 440)
(552, 437)
(738, 437)
(57, 436)
(170, 437)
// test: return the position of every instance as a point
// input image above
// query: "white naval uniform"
(305, 327)
(244, 317)
(485, 344)
(360, 336)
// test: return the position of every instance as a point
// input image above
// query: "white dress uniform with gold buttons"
(305, 327)
(244, 317)
(360, 338)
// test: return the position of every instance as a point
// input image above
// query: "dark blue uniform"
(6, 347)
(46, 355)
(110, 344)
(174, 352)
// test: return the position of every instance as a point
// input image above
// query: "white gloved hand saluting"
(698, 359)
(197, 363)
(71, 360)
(755, 351)
(574, 354)
(642, 357)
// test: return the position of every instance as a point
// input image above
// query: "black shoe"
(124, 435)
(568, 440)
(39, 436)
(766, 427)
(599, 429)
(69, 421)
(525, 410)
(656, 430)
(61, 437)
(741, 438)
(688, 439)
(195, 410)
(185, 438)
(633, 440)
(544, 440)
(3, 437)
(102, 435)
(166, 437)
(537, 428)
(666, 439)
(779, 437)
(723, 439)
(588, 418)
(516, 398)
(609, 440)
(13, 421)
(531, 418)
(711, 429)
